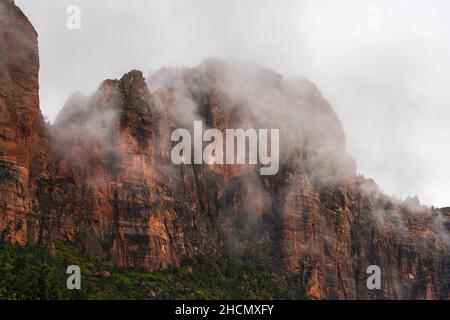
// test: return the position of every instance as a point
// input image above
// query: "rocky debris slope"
(104, 180)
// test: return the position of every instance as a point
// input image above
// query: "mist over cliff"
(101, 178)
(317, 216)
(381, 64)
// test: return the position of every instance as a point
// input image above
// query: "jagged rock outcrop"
(128, 206)
(105, 181)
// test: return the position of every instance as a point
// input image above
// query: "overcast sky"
(383, 65)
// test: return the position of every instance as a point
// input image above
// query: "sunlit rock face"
(104, 180)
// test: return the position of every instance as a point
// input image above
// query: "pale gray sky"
(383, 65)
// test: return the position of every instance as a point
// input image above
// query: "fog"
(383, 65)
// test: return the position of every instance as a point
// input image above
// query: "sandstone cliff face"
(23, 144)
(129, 206)
(105, 180)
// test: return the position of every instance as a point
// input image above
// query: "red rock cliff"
(324, 225)
(105, 180)
(23, 144)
